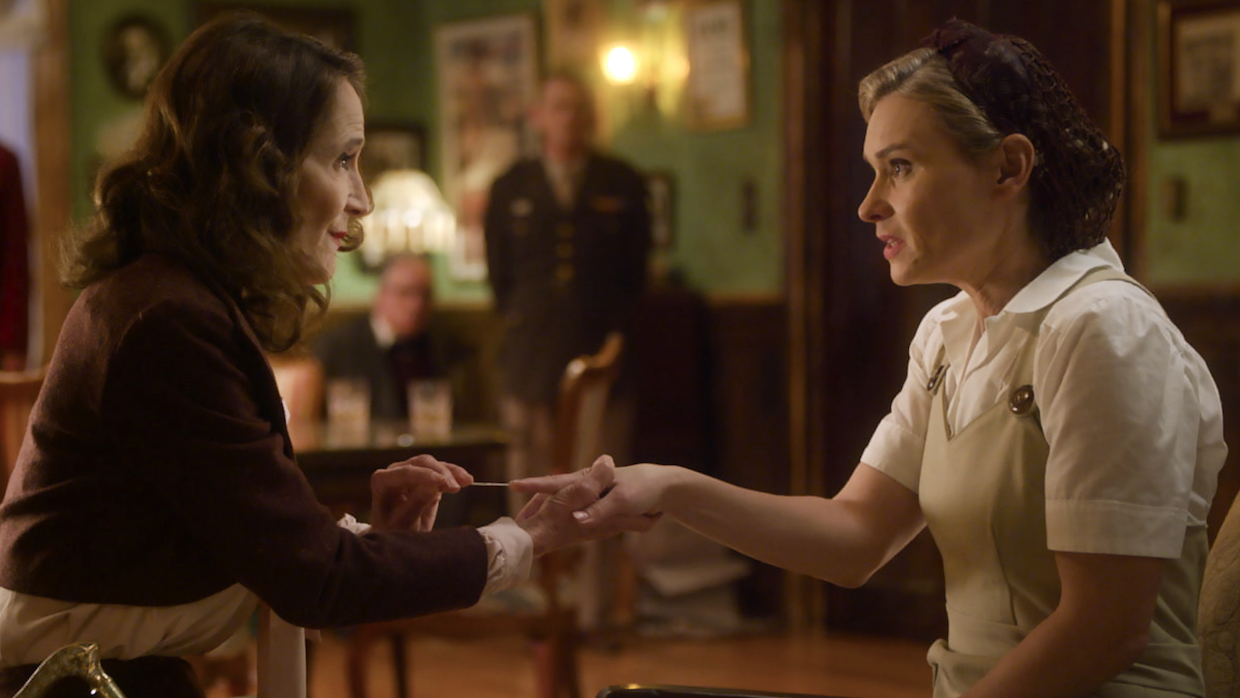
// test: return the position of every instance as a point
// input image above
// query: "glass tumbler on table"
(430, 408)
(348, 407)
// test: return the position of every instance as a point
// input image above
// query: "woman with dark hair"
(1055, 432)
(156, 498)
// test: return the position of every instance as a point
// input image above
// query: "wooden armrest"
(663, 691)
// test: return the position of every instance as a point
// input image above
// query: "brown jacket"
(157, 470)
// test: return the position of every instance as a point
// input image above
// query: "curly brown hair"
(986, 86)
(211, 180)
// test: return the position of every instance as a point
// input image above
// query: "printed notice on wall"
(718, 91)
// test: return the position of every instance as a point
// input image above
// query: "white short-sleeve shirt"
(1128, 408)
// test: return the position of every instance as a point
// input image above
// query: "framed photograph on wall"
(488, 78)
(332, 26)
(1199, 66)
(392, 146)
(134, 49)
(717, 89)
(571, 30)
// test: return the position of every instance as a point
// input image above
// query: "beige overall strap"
(982, 491)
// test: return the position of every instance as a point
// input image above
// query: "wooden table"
(338, 463)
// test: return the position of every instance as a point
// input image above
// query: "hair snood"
(1078, 177)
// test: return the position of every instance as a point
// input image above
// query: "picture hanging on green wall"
(134, 50)
(1199, 57)
(718, 84)
(488, 78)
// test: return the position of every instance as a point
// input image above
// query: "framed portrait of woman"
(134, 49)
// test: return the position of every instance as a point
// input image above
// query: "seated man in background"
(391, 347)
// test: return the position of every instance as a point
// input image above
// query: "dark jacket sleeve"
(498, 241)
(182, 390)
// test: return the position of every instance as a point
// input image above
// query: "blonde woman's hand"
(553, 518)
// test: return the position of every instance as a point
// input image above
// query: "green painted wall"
(1204, 246)
(712, 250)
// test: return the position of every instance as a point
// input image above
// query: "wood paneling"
(669, 360)
(52, 143)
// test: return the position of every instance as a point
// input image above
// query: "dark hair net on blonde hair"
(1078, 176)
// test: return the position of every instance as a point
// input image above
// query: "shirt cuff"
(1115, 528)
(510, 554)
(348, 523)
(895, 452)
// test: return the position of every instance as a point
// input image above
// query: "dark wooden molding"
(52, 222)
(805, 38)
(1139, 22)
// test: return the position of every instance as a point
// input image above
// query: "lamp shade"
(410, 215)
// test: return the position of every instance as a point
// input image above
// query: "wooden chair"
(18, 391)
(552, 629)
(1218, 610)
(80, 660)
(300, 380)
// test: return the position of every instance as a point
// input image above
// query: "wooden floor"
(500, 667)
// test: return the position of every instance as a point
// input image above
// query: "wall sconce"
(410, 215)
(620, 65)
(646, 65)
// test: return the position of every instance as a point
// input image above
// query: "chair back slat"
(583, 404)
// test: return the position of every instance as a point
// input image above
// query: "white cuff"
(510, 554)
(1115, 528)
(352, 525)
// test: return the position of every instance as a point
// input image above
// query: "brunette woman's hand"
(405, 495)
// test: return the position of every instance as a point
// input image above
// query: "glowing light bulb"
(620, 65)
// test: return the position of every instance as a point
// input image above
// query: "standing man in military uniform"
(567, 237)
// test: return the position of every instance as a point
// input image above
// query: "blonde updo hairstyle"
(985, 87)
(923, 75)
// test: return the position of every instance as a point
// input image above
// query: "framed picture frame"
(1199, 67)
(488, 77)
(392, 146)
(134, 49)
(717, 90)
(571, 30)
(334, 26)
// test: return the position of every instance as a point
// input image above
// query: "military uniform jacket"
(563, 279)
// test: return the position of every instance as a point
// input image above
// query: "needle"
(490, 484)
